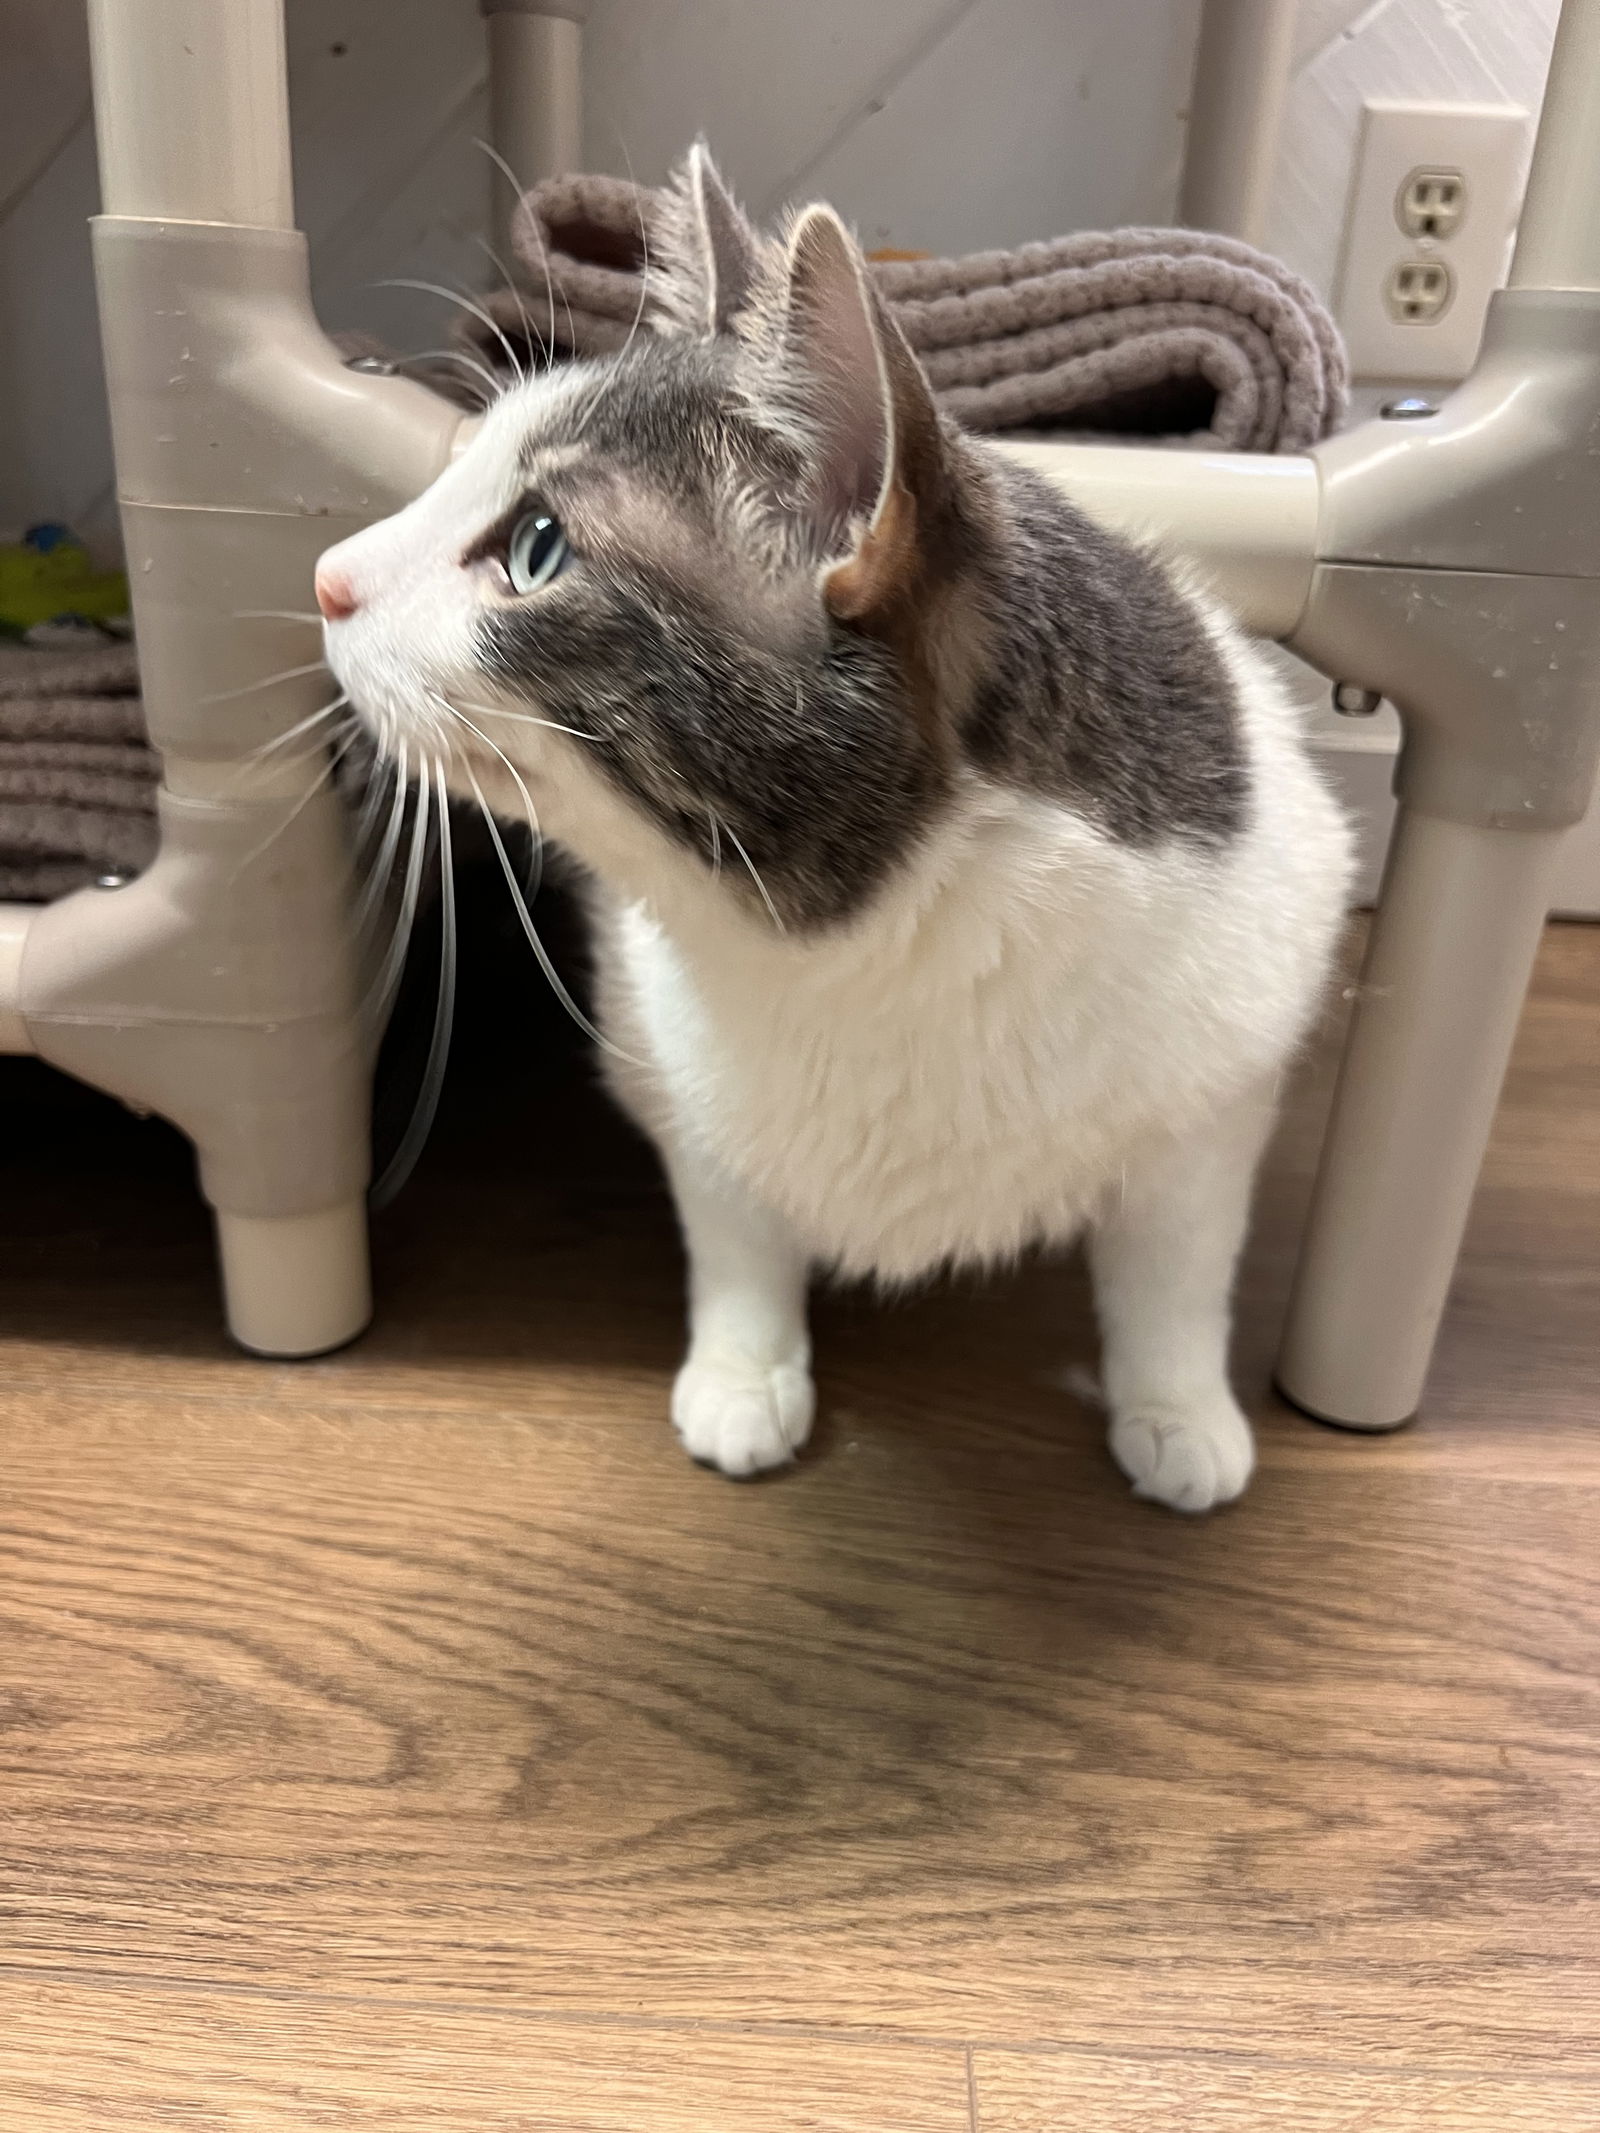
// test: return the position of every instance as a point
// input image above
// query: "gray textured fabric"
(1172, 334)
(77, 776)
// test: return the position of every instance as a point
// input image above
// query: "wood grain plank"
(78, 2058)
(1021, 2093)
(943, 1733)
(433, 1672)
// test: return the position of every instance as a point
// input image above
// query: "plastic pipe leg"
(296, 1285)
(1452, 947)
(14, 923)
(220, 989)
(1241, 75)
(535, 92)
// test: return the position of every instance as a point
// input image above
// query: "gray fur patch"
(817, 758)
(817, 780)
(1102, 688)
(1101, 685)
(809, 761)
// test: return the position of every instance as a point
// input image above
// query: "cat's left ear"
(707, 253)
(879, 454)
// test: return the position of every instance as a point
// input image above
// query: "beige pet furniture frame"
(1451, 563)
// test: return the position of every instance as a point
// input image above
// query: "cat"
(959, 879)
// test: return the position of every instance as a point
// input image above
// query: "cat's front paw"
(741, 1416)
(1190, 1454)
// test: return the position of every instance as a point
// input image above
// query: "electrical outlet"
(1432, 211)
(1431, 203)
(1418, 291)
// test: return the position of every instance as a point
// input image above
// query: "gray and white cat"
(960, 881)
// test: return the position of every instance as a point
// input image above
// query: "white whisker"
(491, 386)
(716, 841)
(322, 778)
(638, 313)
(371, 807)
(453, 296)
(521, 718)
(382, 869)
(534, 942)
(530, 812)
(380, 997)
(520, 190)
(267, 681)
(276, 614)
(772, 909)
(400, 1165)
(293, 733)
(535, 337)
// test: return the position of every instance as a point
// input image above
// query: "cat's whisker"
(267, 681)
(535, 873)
(541, 953)
(404, 1160)
(772, 909)
(520, 190)
(379, 779)
(716, 843)
(453, 296)
(381, 872)
(323, 777)
(523, 718)
(490, 386)
(293, 733)
(546, 347)
(610, 377)
(276, 614)
(535, 337)
(380, 996)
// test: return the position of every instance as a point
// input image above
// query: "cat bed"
(1172, 335)
(77, 775)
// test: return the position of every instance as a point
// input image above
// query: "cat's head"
(708, 605)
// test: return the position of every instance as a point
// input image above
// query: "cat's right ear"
(707, 255)
(879, 491)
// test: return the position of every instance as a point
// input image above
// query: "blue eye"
(537, 553)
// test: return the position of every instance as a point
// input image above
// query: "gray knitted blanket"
(1170, 334)
(77, 776)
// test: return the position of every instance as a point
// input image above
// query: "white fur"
(1034, 1032)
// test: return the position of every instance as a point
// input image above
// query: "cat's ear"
(878, 453)
(707, 253)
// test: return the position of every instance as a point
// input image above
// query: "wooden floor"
(414, 1739)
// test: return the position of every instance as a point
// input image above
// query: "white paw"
(742, 1416)
(1190, 1455)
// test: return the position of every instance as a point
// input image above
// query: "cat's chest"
(898, 1116)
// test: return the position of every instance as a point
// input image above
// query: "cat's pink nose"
(334, 595)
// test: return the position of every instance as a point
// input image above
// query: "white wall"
(941, 124)
(937, 123)
(1451, 51)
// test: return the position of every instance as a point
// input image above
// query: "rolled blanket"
(77, 775)
(1172, 335)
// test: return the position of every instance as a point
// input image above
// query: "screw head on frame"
(1350, 700)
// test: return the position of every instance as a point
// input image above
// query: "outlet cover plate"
(1488, 144)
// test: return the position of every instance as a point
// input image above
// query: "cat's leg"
(1163, 1250)
(743, 1400)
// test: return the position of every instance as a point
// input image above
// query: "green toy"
(47, 576)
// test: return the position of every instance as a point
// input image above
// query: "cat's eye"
(537, 552)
